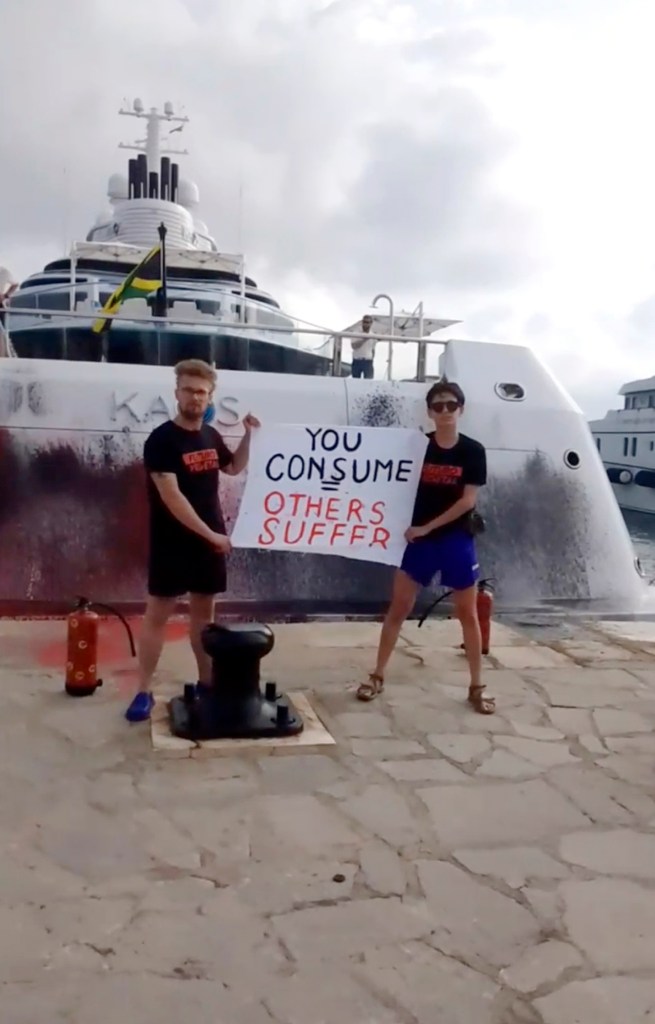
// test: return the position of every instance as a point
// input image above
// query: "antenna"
(65, 220)
(151, 145)
(240, 215)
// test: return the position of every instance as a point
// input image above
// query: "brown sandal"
(483, 705)
(369, 689)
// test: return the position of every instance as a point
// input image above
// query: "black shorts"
(174, 572)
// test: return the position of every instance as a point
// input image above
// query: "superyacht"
(211, 309)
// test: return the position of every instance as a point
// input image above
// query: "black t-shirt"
(195, 456)
(444, 474)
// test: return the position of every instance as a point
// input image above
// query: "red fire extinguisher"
(82, 647)
(485, 603)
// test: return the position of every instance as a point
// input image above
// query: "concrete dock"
(432, 866)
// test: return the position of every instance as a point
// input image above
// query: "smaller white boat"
(625, 439)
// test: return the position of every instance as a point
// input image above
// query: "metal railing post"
(337, 353)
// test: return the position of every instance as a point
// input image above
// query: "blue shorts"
(453, 555)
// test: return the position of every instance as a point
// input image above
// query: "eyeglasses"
(451, 406)
(195, 392)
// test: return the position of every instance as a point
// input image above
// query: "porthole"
(616, 475)
(510, 392)
(571, 459)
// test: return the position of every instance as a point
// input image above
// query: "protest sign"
(331, 490)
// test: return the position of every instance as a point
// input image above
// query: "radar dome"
(187, 193)
(117, 187)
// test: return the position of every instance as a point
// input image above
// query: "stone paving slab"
(429, 864)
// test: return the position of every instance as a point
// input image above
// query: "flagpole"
(163, 304)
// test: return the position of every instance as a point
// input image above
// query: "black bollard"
(234, 707)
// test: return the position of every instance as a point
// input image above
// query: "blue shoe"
(140, 708)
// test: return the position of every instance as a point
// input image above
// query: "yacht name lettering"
(124, 403)
(142, 408)
(228, 405)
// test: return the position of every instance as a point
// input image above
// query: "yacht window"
(633, 451)
(598, 443)
(54, 300)
(625, 447)
(210, 306)
(46, 282)
(24, 301)
(652, 445)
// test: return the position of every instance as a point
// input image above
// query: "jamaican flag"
(144, 279)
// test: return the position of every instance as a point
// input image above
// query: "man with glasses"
(441, 539)
(188, 542)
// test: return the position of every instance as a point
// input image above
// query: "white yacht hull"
(71, 440)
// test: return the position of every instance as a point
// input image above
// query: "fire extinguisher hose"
(442, 597)
(113, 611)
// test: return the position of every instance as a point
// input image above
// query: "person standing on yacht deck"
(440, 539)
(7, 288)
(188, 543)
(363, 351)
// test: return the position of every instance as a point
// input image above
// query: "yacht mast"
(151, 145)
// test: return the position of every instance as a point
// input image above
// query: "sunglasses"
(451, 406)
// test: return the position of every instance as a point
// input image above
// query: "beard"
(190, 416)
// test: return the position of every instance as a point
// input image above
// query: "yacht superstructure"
(207, 291)
(625, 439)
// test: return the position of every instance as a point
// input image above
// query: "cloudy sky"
(493, 158)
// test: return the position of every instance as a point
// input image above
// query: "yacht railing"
(67, 334)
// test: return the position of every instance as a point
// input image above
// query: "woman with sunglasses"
(440, 539)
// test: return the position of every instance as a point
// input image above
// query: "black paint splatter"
(11, 398)
(36, 398)
(381, 409)
(537, 543)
